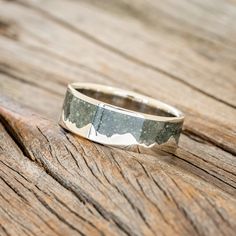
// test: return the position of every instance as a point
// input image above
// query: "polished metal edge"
(126, 93)
(86, 115)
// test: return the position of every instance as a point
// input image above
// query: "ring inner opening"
(129, 103)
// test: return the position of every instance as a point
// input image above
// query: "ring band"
(120, 118)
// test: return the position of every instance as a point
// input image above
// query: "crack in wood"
(199, 137)
(86, 198)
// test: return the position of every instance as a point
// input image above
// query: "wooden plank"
(54, 183)
(53, 73)
(192, 42)
(137, 194)
(212, 119)
(206, 161)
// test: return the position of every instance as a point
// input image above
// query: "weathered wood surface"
(54, 183)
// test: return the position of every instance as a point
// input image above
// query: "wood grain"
(137, 194)
(54, 183)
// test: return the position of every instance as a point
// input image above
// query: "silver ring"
(120, 118)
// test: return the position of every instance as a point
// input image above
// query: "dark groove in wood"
(57, 215)
(6, 72)
(199, 135)
(204, 170)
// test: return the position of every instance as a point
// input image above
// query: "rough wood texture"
(54, 183)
